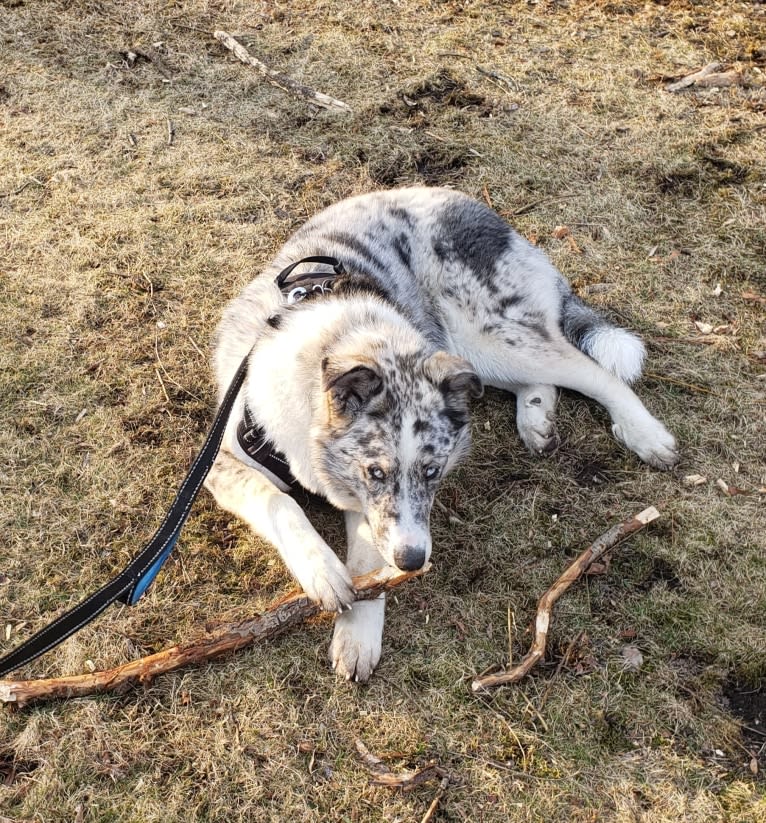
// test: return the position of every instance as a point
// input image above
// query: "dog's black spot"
(441, 249)
(456, 418)
(421, 426)
(535, 327)
(403, 249)
(511, 342)
(489, 328)
(476, 236)
(362, 250)
(275, 321)
(398, 213)
(506, 302)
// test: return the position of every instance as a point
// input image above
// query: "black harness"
(130, 584)
(250, 436)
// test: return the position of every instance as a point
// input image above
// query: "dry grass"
(117, 256)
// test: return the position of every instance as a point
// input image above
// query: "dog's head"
(394, 425)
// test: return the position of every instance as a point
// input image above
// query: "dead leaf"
(752, 297)
(703, 328)
(753, 766)
(560, 232)
(717, 291)
(632, 659)
(695, 480)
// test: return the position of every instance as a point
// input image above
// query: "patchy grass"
(118, 252)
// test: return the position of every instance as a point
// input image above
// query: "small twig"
(22, 187)
(709, 76)
(152, 56)
(167, 375)
(196, 347)
(692, 386)
(171, 132)
(281, 80)
(451, 516)
(405, 780)
(435, 802)
(574, 572)
(291, 610)
(162, 384)
(535, 203)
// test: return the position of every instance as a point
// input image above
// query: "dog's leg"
(276, 517)
(356, 642)
(561, 364)
(536, 417)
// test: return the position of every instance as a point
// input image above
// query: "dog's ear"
(454, 376)
(351, 383)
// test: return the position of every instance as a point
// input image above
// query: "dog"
(414, 299)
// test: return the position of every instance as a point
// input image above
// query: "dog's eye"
(430, 472)
(376, 473)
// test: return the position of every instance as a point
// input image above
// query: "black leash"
(131, 583)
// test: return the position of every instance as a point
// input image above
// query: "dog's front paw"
(327, 582)
(650, 440)
(356, 642)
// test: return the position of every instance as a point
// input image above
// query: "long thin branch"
(574, 572)
(291, 610)
(281, 80)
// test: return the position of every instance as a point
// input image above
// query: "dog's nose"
(410, 558)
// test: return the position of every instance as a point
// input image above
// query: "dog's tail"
(617, 350)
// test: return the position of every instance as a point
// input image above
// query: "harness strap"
(131, 583)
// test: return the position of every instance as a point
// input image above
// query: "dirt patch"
(747, 703)
(419, 102)
(661, 573)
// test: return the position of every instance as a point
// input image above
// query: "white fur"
(617, 350)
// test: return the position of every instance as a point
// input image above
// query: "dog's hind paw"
(651, 441)
(536, 420)
(357, 640)
(543, 441)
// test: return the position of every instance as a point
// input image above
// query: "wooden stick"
(282, 615)
(280, 80)
(574, 572)
(691, 79)
(405, 780)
